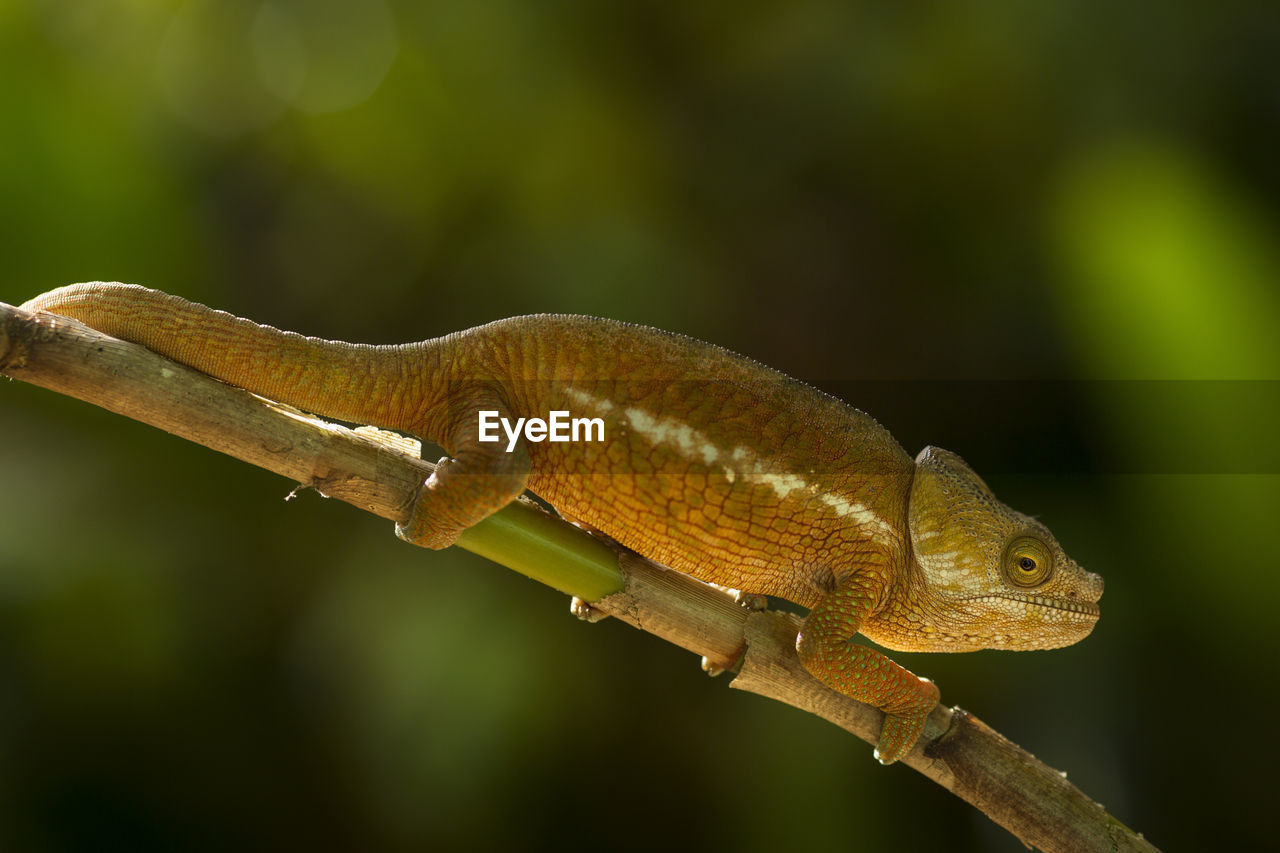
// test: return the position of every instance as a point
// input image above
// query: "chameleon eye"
(1027, 562)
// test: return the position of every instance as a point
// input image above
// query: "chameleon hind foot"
(424, 526)
(465, 489)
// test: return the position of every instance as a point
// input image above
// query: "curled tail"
(352, 382)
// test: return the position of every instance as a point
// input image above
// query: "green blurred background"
(1041, 235)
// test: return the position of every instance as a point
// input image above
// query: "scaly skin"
(711, 463)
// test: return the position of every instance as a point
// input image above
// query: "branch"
(380, 473)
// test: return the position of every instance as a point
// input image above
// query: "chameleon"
(709, 463)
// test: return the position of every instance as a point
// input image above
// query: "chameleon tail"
(359, 383)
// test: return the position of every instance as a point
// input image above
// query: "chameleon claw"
(710, 667)
(585, 611)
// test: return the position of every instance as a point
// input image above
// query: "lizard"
(710, 463)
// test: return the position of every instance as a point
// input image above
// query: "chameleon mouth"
(1080, 608)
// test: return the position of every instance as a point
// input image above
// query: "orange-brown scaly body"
(710, 463)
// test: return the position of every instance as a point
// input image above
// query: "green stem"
(528, 540)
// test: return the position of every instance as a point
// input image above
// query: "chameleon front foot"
(860, 672)
(902, 728)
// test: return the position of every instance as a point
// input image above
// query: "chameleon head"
(994, 578)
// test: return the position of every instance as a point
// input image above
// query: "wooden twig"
(381, 473)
